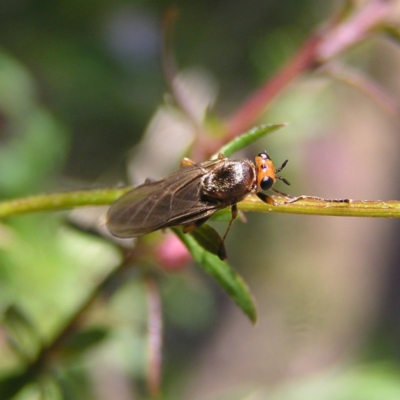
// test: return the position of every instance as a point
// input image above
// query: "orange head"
(266, 172)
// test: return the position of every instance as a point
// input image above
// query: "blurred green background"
(80, 83)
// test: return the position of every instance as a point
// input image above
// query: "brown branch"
(155, 338)
(254, 106)
(364, 84)
(170, 69)
(333, 39)
(354, 30)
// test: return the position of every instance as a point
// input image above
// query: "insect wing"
(175, 200)
(124, 214)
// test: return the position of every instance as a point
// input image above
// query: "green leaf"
(247, 138)
(229, 280)
(393, 32)
(208, 238)
(23, 337)
(84, 340)
(224, 215)
(10, 385)
(16, 319)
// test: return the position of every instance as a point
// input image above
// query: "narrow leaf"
(247, 138)
(22, 335)
(229, 280)
(208, 238)
(393, 32)
(15, 319)
(10, 385)
(84, 340)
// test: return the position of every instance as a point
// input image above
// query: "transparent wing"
(172, 201)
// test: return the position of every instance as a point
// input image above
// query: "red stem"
(255, 105)
(155, 338)
(337, 36)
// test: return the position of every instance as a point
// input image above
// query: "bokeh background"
(81, 83)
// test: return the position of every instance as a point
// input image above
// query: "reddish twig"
(354, 29)
(155, 336)
(363, 83)
(255, 105)
(336, 37)
(170, 69)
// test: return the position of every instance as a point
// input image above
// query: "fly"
(191, 195)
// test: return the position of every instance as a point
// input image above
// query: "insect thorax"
(230, 181)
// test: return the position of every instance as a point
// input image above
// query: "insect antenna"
(282, 166)
(284, 180)
(281, 178)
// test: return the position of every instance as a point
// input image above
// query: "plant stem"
(60, 201)
(155, 337)
(333, 38)
(99, 197)
(354, 208)
(255, 105)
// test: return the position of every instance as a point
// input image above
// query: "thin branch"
(353, 208)
(335, 37)
(357, 79)
(255, 105)
(60, 201)
(64, 201)
(355, 29)
(155, 338)
(170, 69)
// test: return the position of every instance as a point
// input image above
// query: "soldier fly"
(191, 195)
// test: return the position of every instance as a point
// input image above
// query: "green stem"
(101, 197)
(60, 201)
(355, 208)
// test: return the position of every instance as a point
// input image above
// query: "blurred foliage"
(97, 64)
(34, 144)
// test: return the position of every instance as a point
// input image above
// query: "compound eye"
(266, 183)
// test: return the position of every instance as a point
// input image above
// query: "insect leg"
(293, 199)
(281, 193)
(305, 197)
(191, 227)
(222, 251)
(266, 199)
(186, 162)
